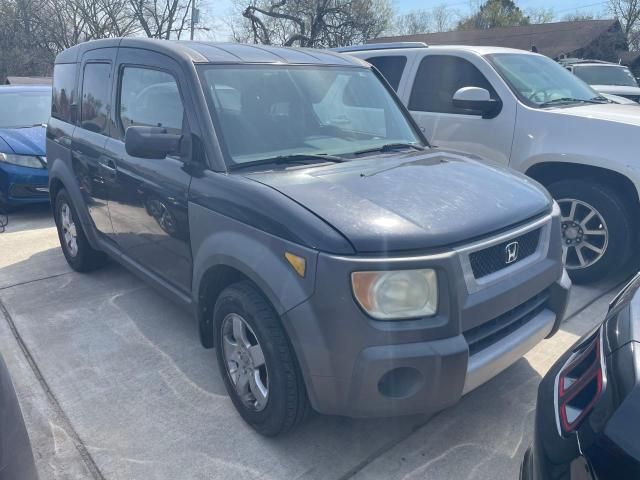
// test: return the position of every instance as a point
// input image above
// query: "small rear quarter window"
(64, 90)
(391, 67)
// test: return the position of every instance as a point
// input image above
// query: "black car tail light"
(579, 384)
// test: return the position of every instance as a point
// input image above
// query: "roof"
(551, 39)
(212, 52)
(25, 88)
(480, 50)
(28, 80)
(628, 58)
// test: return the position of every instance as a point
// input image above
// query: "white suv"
(524, 110)
(604, 77)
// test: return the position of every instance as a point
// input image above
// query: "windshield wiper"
(556, 101)
(390, 147)
(299, 158)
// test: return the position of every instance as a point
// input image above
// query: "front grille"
(490, 260)
(490, 332)
(635, 98)
(26, 191)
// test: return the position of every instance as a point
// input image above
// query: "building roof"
(628, 58)
(551, 39)
(212, 52)
(28, 80)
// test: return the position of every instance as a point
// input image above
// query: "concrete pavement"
(114, 385)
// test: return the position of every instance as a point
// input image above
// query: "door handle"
(108, 168)
(110, 165)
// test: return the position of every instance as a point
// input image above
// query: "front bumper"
(359, 367)
(23, 185)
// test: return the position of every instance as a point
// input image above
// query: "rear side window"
(64, 90)
(439, 77)
(95, 97)
(150, 98)
(391, 67)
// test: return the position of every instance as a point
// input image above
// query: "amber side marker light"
(299, 264)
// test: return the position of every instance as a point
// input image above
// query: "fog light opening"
(401, 382)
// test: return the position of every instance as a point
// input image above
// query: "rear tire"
(80, 255)
(242, 316)
(597, 231)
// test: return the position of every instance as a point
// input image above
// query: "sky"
(218, 10)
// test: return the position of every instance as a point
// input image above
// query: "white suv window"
(438, 78)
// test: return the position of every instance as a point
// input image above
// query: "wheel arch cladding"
(549, 172)
(61, 177)
(226, 251)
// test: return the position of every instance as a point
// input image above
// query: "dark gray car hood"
(414, 201)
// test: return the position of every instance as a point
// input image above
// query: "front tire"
(75, 246)
(257, 362)
(597, 231)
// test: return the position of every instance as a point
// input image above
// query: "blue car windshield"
(24, 108)
(276, 111)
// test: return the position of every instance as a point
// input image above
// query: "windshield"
(266, 112)
(24, 108)
(605, 75)
(540, 82)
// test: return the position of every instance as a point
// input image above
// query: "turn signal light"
(298, 263)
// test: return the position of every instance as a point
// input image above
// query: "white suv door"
(436, 78)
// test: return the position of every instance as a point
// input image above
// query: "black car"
(588, 413)
(16, 458)
(287, 198)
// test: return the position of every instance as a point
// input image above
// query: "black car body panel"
(606, 445)
(192, 225)
(16, 457)
(405, 203)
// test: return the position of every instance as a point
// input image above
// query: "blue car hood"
(24, 141)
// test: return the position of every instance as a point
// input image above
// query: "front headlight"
(21, 160)
(400, 294)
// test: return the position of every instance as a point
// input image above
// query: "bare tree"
(442, 17)
(541, 15)
(164, 19)
(411, 23)
(312, 23)
(628, 13)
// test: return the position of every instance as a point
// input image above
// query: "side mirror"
(151, 142)
(478, 101)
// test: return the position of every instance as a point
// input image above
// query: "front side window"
(21, 108)
(605, 75)
(391, 67)
(150, 98)
(264, 112)
(540, 82)
(64, 83)
(438, 78)
(95, 97)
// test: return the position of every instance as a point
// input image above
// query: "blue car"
(24, 112)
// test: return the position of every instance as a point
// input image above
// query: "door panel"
(148, 198)
(90, 137)
(437, 78)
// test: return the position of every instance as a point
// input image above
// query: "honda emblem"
(511, 252)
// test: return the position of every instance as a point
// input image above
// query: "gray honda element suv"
(330, 255)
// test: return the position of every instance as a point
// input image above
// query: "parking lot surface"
(114, 384)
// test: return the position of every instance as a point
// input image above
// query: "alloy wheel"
(69, 231)
(244, 362)
(585, 236)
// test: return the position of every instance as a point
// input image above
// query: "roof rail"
(380, 46)
(577, 61)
